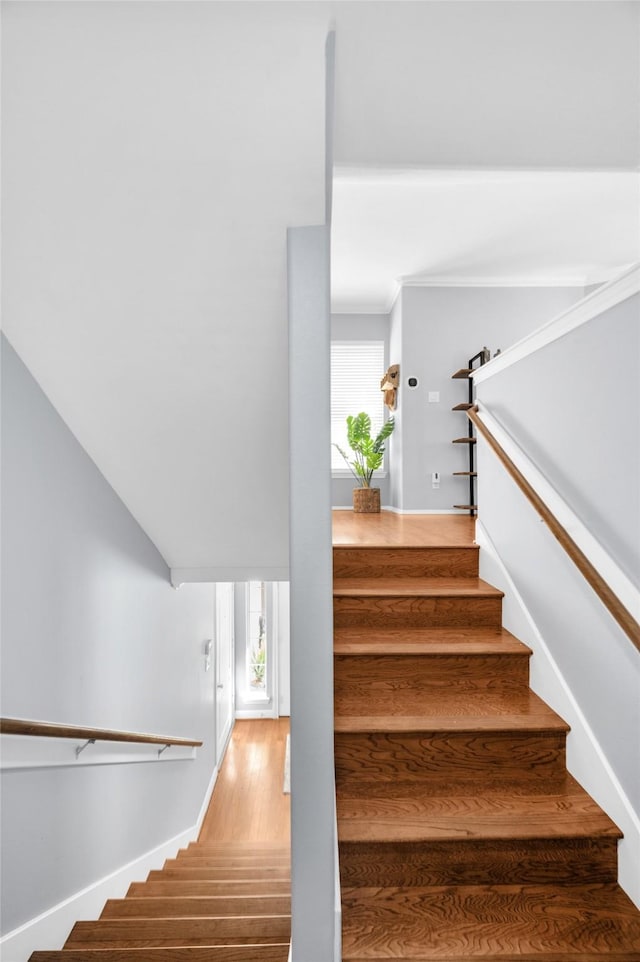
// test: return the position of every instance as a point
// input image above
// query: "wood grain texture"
(399, 683)
(388, 757)
(211, 906)
(461, 834)
(190, 887)
(414, 610)
(167, 932)
(21, 726)
(495, 922)
(412, 562)
(177, 870)
(479, 862)
(248, 804)
(389, 530)
(225, 897)
(211, 953)
(442, 640)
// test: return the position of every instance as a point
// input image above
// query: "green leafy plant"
(368, 451)
(258, 664)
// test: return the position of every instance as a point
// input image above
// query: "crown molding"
(575, 280)
(599, 301)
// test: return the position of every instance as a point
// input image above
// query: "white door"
(224, 666)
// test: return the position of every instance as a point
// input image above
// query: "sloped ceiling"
(153, 156)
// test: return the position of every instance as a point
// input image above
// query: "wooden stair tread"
(461, 833)
(182, 931)
(211, 905)
(183, 870)
(463, 406)
(210, 953)
(467, 440)
(490, 646)
(188, 887)
(451, 712)
(229, 860)
(439, 636)
(491, 921)
(490, 814)
(466, 507)
(465, 474)
(248, 846)
(463, 372)
(413, 587)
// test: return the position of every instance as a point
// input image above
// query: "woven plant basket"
(366, 500)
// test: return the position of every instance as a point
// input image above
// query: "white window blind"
(357, 368)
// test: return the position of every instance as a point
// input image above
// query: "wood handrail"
(605, 593)
(19, 726)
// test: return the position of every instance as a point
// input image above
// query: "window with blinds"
(357, 368)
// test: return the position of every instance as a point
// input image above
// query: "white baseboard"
(452, 511)
(243, 714)
(585, 759)
(388, 507)
(51, 929)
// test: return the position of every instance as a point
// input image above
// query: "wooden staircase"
(219, 902)
(461, 833)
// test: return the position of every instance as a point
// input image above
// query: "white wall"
(154, 154)
(438, 330)
(93, 634)
(313, 819)
(489, 84)
(572, 406)
(359, 327)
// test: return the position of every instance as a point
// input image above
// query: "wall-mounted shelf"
(465, 374)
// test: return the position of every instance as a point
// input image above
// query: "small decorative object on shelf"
(369, 456)
(470, 439)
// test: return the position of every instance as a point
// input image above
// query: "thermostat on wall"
(412, 381)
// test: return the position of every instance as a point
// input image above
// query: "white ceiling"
(478, 228)
(155, 153)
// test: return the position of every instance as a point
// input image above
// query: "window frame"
(344, 472)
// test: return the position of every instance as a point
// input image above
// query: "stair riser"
(374, 675)
(182, 888)
(482, 862)
(405, 562)
(388, 757)
(411, 612)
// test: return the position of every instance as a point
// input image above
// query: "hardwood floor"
(248, 803)
(226, 897)
(461, 833)
(388, 529)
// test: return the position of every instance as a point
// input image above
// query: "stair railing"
(604, 591)
(39, 729)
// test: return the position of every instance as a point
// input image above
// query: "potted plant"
(368, 457)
